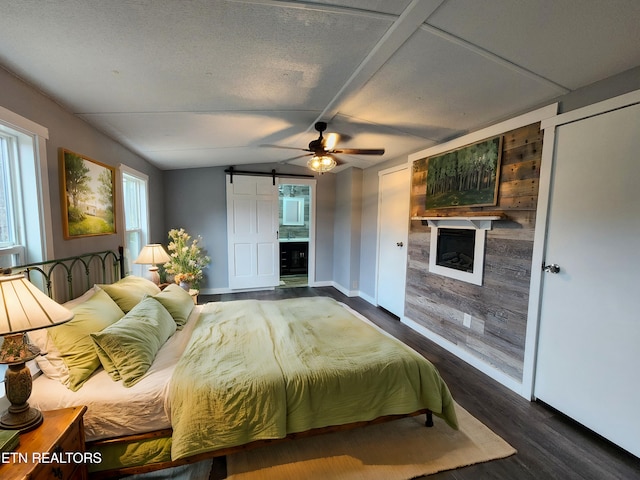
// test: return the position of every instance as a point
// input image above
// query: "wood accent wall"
(498, 308)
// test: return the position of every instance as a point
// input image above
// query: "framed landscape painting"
(87, 196)
(465, 177)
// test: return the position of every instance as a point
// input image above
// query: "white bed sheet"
(112, 409)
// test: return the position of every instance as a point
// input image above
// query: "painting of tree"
(88, 196)
(467, 177)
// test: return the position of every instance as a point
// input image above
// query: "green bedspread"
(262, 369)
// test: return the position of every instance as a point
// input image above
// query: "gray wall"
(347, 234)
(197, 203)
(68, 131)
(325, 225)
(204, 212)
(596, 92)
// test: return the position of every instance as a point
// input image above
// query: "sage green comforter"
(262, 369)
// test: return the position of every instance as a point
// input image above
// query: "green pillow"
(128, 292)
(178, 303)
(73, 339)
(131, 344)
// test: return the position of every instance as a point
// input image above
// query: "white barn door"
(589, 330)
(252, 232)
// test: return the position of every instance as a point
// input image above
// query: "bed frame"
(166, 433)
(67, 278)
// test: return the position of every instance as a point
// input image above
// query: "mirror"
(292, 211)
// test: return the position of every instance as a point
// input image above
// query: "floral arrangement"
(187, 258)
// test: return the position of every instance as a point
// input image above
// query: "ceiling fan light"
(322, 163)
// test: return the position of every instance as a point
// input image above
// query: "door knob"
(553, 268)
(400, 244)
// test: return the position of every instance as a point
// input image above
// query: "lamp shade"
(24, 307)
(152, 254)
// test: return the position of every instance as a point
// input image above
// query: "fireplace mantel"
(483, 222)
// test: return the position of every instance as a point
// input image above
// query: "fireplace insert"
(456, 248)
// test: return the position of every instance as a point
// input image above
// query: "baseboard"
(324, 283)
(367, 298)
(220, 291)
(344, 291)
(464, 355)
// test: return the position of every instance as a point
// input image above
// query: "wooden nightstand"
(60, 435)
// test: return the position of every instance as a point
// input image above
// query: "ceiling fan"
(324, 149)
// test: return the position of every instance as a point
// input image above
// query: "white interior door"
(589, 333)
(393, 233)
(252, 230)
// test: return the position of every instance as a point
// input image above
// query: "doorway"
(296, 232)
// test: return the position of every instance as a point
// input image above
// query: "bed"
(167, 382)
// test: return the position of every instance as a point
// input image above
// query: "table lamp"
(153, 254)
(23, 308)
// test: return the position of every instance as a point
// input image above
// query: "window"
(25, 217)
(7, 224)
(136, 217)
(25, 233)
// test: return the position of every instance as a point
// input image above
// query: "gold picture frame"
(88, 196)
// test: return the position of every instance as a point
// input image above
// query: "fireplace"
(456, 248)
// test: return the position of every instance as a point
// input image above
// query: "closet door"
(589, 336)
(393, 233)
(252, 232)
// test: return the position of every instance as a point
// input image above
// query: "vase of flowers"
(187, 259)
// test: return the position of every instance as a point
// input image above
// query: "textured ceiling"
(201, 83)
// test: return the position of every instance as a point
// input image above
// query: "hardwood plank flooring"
(550, 445)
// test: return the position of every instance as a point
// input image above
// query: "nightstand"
(61, 434)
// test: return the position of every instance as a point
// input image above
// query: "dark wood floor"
(550, 446)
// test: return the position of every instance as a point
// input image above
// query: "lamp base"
(18, 384)
(21, 417)
(155, 276)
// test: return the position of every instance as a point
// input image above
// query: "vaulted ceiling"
(199, 83)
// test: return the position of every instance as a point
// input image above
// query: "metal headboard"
(67, 278)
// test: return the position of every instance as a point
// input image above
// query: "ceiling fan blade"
(330, 141)
(287, 160)
(361, 151)
(281, 146)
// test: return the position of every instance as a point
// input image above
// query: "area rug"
(398, 450)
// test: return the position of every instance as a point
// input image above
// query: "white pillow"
(50, 361)
(82, 298)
